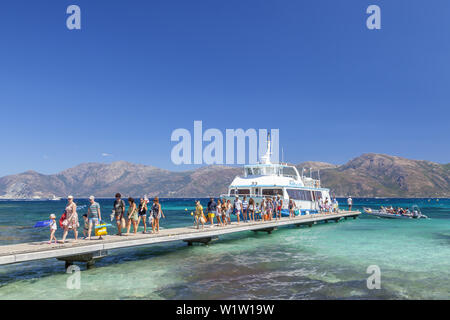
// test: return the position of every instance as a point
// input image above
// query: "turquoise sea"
(327, 261)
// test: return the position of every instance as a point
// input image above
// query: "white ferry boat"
(267, 179)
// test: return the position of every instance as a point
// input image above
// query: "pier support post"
(205, 240)
(67, 264)
(88, 258)
(268, 230)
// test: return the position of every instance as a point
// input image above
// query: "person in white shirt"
(53, 227)
(238, 208)
(350, 203)
(245, 208)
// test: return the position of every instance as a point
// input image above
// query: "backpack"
(63, 217)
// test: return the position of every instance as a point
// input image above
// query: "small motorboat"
(415, 213)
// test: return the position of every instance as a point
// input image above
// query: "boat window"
(317, 195)
(249, 171)
(257, 171)
(296, 194)
(231, 192)
(243, 191)
(272, 192)
(289, 172)
(269, 170)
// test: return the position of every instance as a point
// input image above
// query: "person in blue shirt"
(94, 215)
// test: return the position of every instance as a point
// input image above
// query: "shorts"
(279, 208)
(94, 221)
(142, 213)
(211, 215)
(118, 216)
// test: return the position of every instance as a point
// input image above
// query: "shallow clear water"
(327, 261)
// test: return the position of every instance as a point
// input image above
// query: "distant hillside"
(379, 175)
(104, 180)
(369, 175)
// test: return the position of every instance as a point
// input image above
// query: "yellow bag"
(101, 231)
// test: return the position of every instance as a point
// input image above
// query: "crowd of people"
(248, 210)
(328, 207)
(267, 209)
(398, 210)
(124, 218)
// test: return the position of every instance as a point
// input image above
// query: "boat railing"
(250, 195)
(312, 183)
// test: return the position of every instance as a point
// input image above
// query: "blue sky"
(140, 69)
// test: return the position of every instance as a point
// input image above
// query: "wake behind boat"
(399, 213)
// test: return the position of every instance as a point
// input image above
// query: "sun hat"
(91, 198)
(70, 197)
(52, 216)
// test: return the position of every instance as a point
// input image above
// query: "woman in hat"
(71, 221)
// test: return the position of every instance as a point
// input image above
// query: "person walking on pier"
(279, 205)
(53, 227)
(229, 210)
(156, 213)
(94, 215)
(199, 214)
(211, 210)
(244, 208)
(219, 213)
(263, 209)
(142, 211)
(71, 221)
(119, 210)
(350, 203)
(269, 208)
(291, 208)
(132, 216)
(275, 207)
(238, 208)
(224, 212)
(251, 209)
(335, 205)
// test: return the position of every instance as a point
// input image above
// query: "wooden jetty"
(89, 251)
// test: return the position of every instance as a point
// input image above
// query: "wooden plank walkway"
(42, 250)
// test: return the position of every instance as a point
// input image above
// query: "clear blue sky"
(140, 69)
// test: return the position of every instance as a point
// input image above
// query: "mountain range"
(369, 175)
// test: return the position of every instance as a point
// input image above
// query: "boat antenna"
(310, 172)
